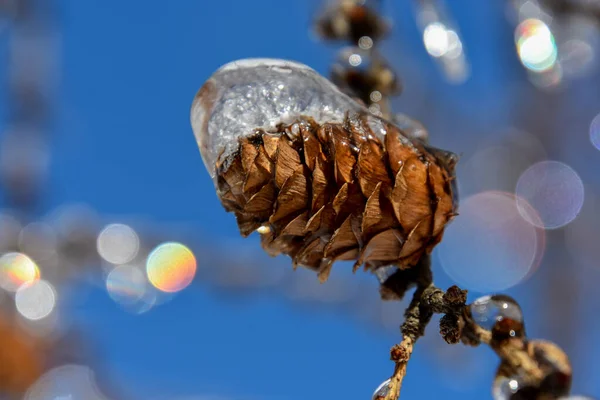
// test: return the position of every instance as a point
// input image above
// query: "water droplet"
(264, 229)
(554, 190)
(375, 96)
(498, 313)
(382, 390)
(504, 387)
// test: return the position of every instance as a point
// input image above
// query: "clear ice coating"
(260, 93)
(382, 391)
(411, 126)
(488, 310)
(384, 273)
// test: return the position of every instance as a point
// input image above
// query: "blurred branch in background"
(33, 50)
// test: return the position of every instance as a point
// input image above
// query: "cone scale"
(318, 176)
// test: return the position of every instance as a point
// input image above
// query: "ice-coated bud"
(382, 390)
(384, 273)
(245, 95)
(511, 384)
(500, 314)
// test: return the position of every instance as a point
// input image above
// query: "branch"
(542, 368)
(417, 316)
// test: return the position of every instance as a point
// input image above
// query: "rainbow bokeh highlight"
(536, 46)
(171, 267)
(17, 269)
(126, 284)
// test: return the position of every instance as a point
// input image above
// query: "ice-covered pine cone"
(320, 177)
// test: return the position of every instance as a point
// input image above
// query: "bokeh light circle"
(554, 189)
(576, 57)
(498, 164)
(171, 267)
(489, 246)
(126, 284)
(435, 38)
(535, 45)
(17, 269)
(35, 300)
(66, 382)
(595, 132)
(118, 243)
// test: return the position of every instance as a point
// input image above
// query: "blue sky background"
(123, 144)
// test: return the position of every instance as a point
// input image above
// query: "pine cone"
(344, 187)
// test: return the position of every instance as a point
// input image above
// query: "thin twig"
(400, 355)
(417, 316)
(517, 355)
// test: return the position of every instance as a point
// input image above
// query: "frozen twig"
(417, 316)
(540, 366)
